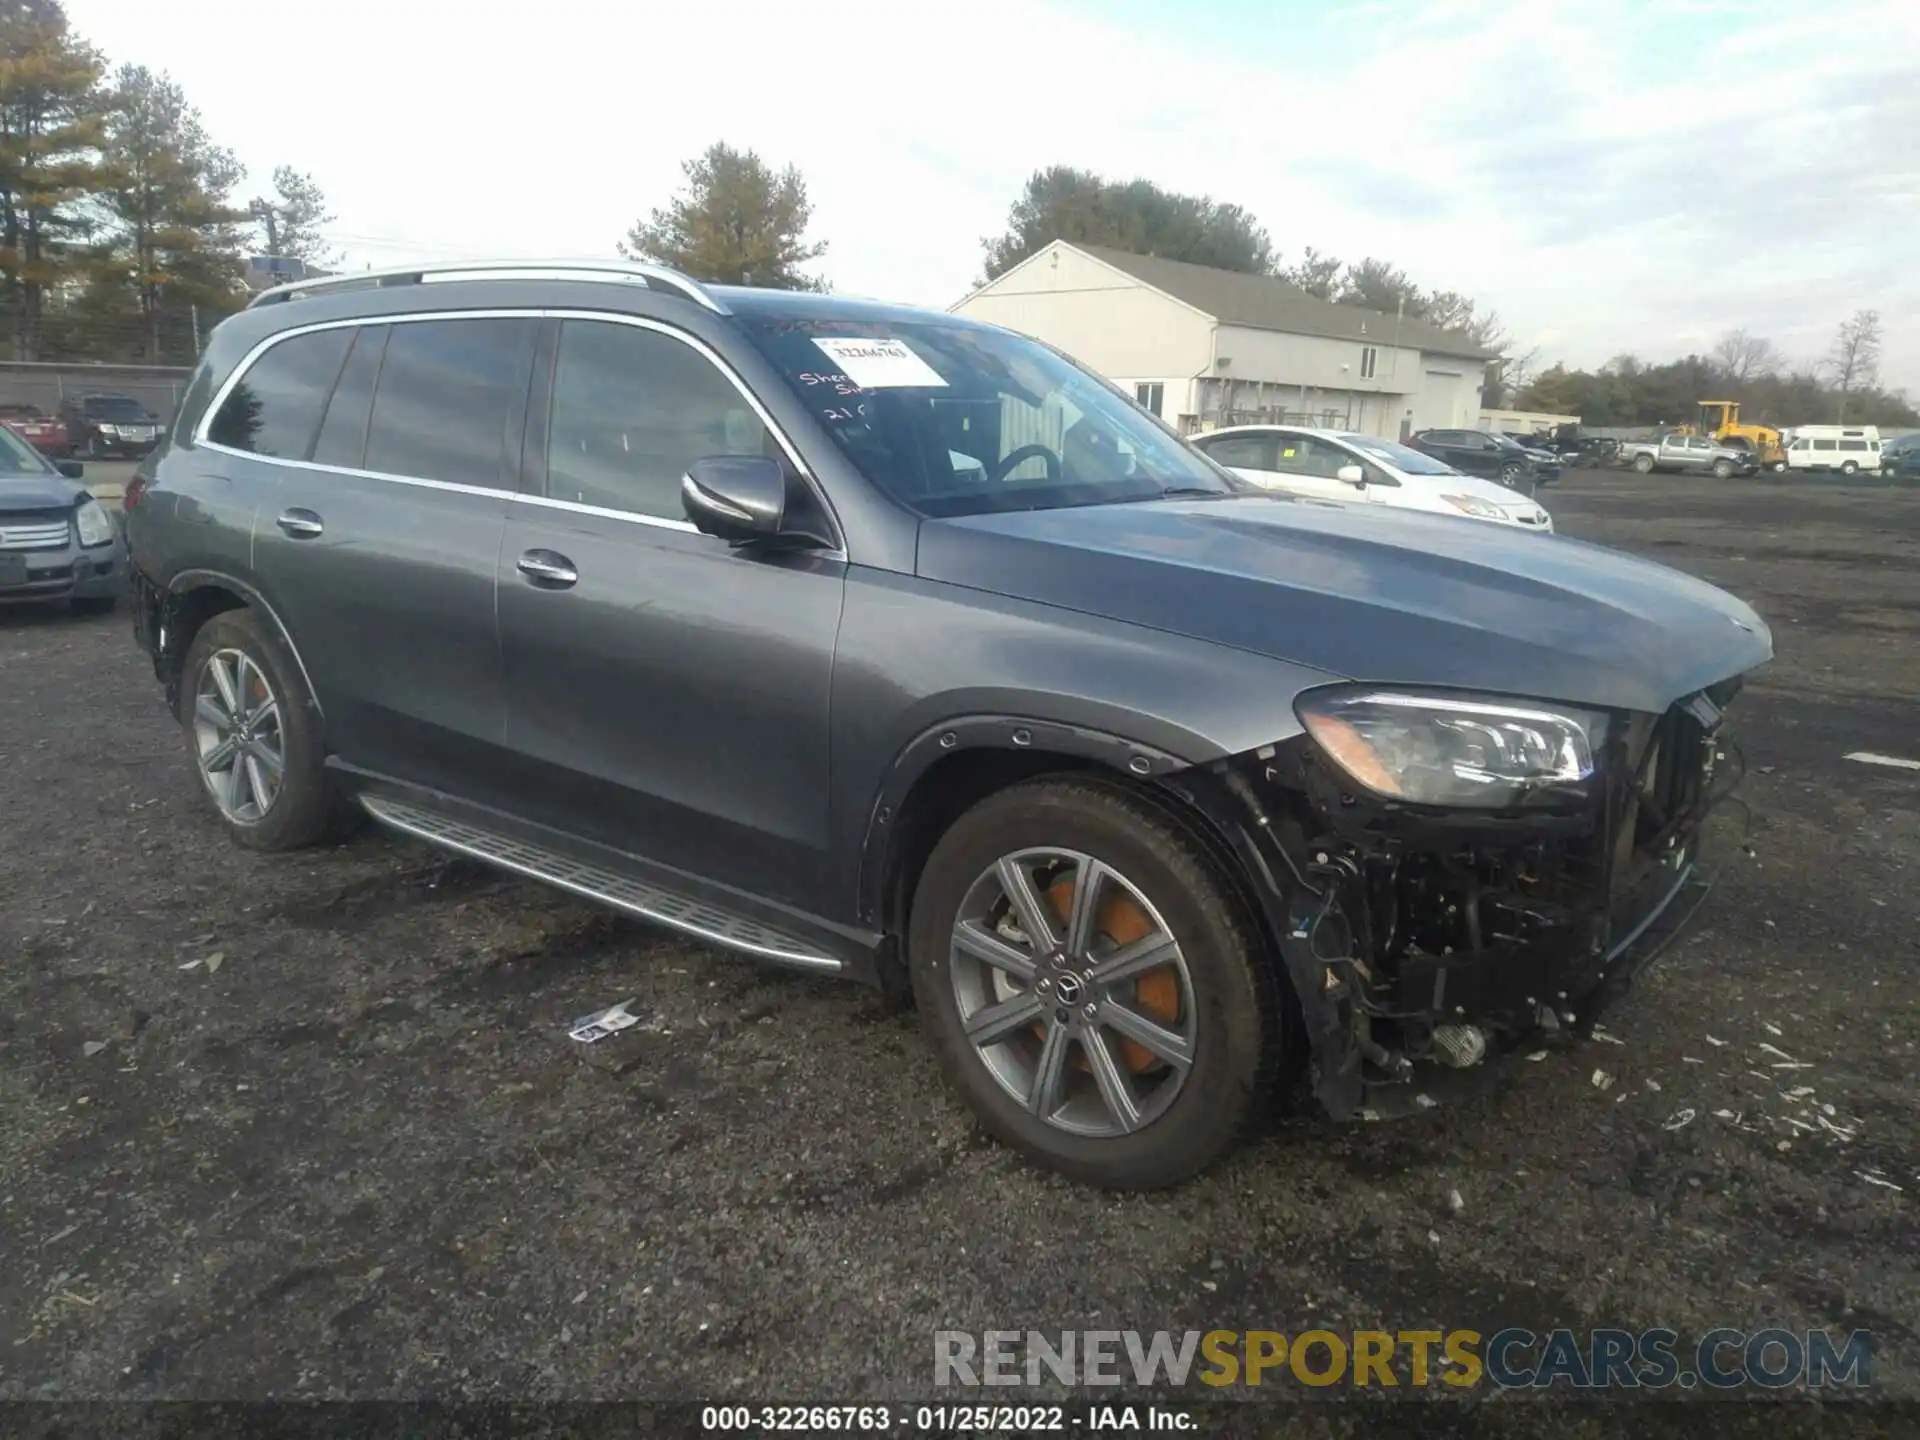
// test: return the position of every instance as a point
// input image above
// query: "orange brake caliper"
(1123, 920)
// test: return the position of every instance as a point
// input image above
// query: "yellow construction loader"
(1720, 419)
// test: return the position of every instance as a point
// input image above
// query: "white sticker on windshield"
(879, 364)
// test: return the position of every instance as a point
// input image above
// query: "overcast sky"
(1614, 176)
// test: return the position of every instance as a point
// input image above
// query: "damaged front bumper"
(1425, 945)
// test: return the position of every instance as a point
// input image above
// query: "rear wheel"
(1091, 984)
(254, 736)
(1850, 468)
(1643, 463)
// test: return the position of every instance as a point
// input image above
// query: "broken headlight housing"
(1472, 751)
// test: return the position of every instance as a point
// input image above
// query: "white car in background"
(1364, 469)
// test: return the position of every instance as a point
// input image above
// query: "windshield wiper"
(1181, 492)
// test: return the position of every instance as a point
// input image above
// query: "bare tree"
(1742, 357)
(1854, 361)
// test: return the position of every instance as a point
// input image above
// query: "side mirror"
(1351, 475)
(737, 497)
(72, 469)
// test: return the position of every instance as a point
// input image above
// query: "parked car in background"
(1900, 457)
(1845, 448)
(33, 425)
(57, 543)
(1688, 454)
(1482, 452)
(109, 425)
(1364, 469)
(674, 596)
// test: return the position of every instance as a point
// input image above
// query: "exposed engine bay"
(1422, 939)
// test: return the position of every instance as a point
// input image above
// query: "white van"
(1846, 448)
(1365, 470)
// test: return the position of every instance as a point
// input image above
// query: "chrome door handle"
(548, 570)
(300, 524)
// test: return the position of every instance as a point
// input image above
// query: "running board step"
(595, 882)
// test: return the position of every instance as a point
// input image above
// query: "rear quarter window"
(275, 407)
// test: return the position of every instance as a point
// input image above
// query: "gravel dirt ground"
(310, 1125)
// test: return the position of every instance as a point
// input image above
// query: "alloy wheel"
(1073, 992)
(237, 734)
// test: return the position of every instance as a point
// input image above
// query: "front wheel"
(1722, 469)
(1643, 464)
(1092, 985)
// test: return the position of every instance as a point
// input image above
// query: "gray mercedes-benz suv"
(887, 644)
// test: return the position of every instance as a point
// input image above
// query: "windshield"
(1506, 442)
(957, 420)
(1403, 458)
(17, 457)
(116, 407)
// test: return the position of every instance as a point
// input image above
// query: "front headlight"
(94, 523)
(1445, 750)
(1479, 509)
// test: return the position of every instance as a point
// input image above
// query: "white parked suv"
(1364, 469)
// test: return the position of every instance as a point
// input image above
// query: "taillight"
(136, 487)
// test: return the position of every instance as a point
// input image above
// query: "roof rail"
(654, 277)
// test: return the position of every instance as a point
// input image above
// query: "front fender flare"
(1012, 733)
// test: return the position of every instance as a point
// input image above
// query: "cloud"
(1610, 177)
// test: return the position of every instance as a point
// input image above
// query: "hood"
(39, 492)
(1370, 593)
(1473, 485)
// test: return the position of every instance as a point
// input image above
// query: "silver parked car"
(1694, 454)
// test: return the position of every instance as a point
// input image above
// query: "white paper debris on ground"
(1425, 1101)
(1771, 1028)
(1775, 1051)
(92, 1048)
(1602, 1080)
(1693, 1060)
(1679, 1120)
(1538, 1055)
(1726, 1115)
(1712, 1041)
(1455, 1202)
(1880, 1181)
(1653, 1085)
(1610, 1039)
(610, 1021)
(191, 965)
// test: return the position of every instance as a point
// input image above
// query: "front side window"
(954, 419)
(275, 407)
(448, 392)
(1308, 455)
(1823, 444)
(632, 409)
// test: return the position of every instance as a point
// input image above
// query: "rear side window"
(1245, 452)
(449, 391)
(343, 434)
(275, 408)
(1823, 444)
(1856, 445)
(632, 408)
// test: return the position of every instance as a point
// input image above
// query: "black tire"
(1722, 469)
(1237, 1030)
(1509, 473)
(94, 604)
(1850, 468)
(1643, 464)
(308, 807)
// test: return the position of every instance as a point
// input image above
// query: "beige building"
(1203, 348)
